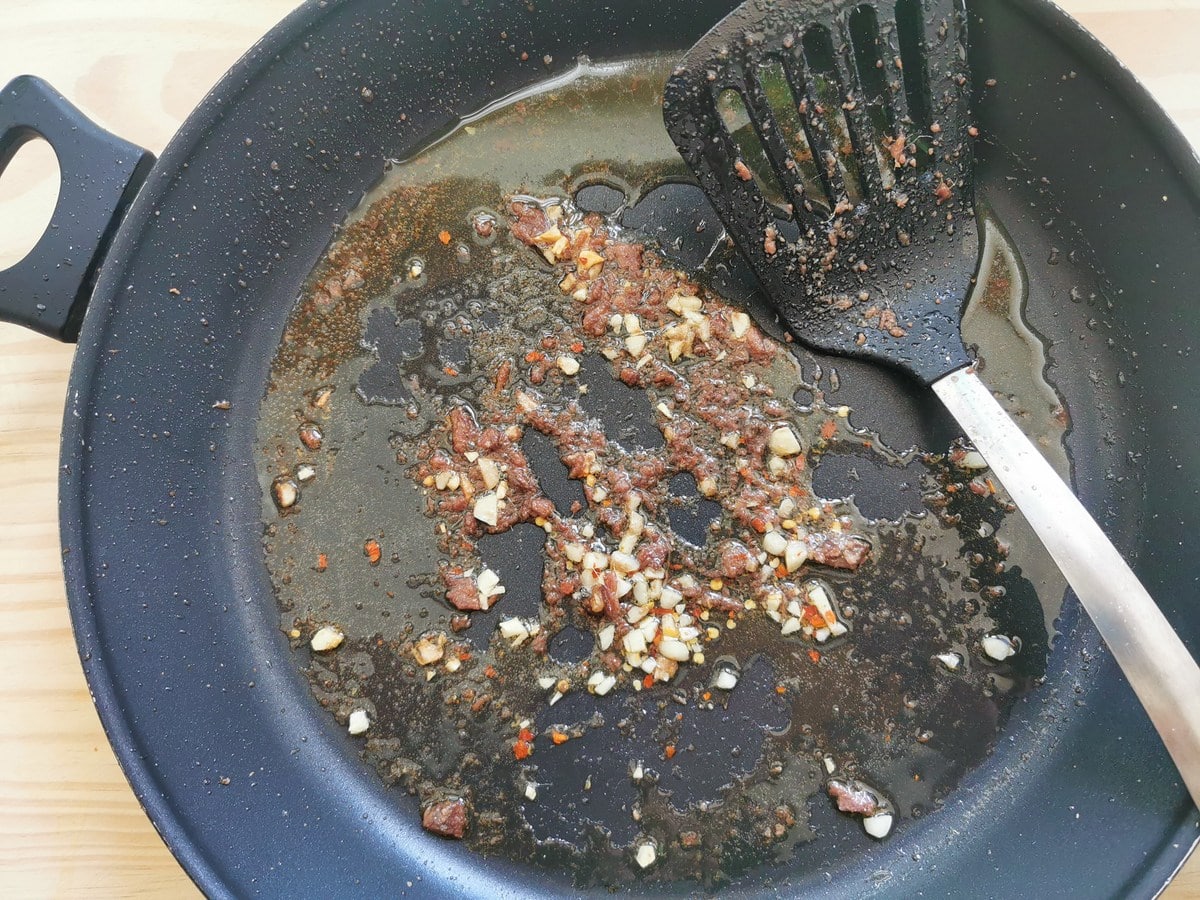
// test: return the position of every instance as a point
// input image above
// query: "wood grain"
(70, 824)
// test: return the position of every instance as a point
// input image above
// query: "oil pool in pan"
(424, 285)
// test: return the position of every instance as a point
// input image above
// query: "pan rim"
(119, 729)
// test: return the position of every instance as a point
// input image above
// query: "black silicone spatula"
(833, 137)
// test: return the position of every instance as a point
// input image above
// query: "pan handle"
(1158, 665)
(49, 289)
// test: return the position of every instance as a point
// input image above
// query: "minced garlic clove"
(430, 649)
(487, 509)
(327, 638)
(784, 442)
(359, 722)
(490, 470)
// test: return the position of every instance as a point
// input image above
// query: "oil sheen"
(423, 294)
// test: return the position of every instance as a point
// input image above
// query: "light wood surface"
(69, 824)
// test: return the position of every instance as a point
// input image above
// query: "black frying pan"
(161, 512)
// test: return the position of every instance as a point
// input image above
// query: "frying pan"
(189, 691)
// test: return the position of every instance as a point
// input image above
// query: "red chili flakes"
(815, 656)
(372, 551)
(444, 237)
(743, 171)
(490, 671)
(669, 751)
(322, 562)
(648, 682)
(828, 429)
(577, 347)
(559, 737)
(523, 748)
(450, 371)
(534, 356)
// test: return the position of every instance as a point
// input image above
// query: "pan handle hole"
(29, 187)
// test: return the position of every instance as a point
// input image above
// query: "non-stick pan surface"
(254, 787)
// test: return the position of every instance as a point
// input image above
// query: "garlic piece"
(998, 647)
(359, 722)
(569, 365)
(775, 543)
(784, 442)
(487, 509)
(429, 650)
(726, 679)
(327, 638)
(490, 470)
(739, 324)
(879, 825)
(795, 555)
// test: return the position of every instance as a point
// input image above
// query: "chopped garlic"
(879, 825)
(604, 637)
(674, 649)
(998, 647)
(634, 642)
(490, 470)
(430, 649)
(569, 365)
(624, 562)
(795, 555)
(950, 660)
(359, 722)
(489, 584)
(739, 324)
(646, 855)
(327, 638)
(774, 543)
(574, 552)
(973, 459)
(680, 304)
(516, 630)
(784, 442)
(726, 679)
(305, 473)
(636, 344)
(487, 509)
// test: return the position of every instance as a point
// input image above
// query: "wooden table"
(69, 823)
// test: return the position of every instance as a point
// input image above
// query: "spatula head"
(833, 138)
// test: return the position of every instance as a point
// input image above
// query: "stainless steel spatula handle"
(1163, 673)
